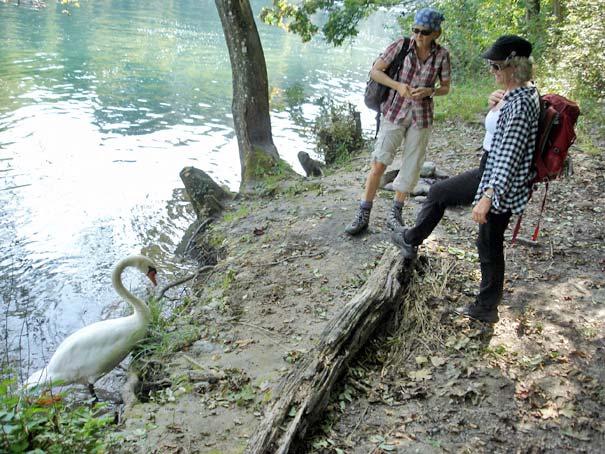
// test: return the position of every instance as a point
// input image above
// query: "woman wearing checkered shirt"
(407, 113)
(500, 187)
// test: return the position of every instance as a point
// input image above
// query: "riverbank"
(285, 268)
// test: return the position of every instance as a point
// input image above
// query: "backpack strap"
(534, 237)
(537, 229)
(393, 71)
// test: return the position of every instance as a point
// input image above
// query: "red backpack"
(558, 116)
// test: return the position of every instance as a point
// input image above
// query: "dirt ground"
(533, 383)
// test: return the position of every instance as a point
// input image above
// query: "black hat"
(508, 46)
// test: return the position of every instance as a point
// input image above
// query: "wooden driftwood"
(305, 391)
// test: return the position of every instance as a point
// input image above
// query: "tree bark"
(556, 10)
(205, 195)
(305, 391)
(532, 9)
(250, 104)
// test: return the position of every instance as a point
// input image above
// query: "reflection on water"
(99, 111)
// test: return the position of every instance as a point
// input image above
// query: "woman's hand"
(494, 98)
(404, 90)
(481, 210)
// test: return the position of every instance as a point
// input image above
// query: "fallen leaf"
(419, 375)
(244, 342)
(575, 435)
(568, 412)
(548, 412)
(420, 360)
(438, 361)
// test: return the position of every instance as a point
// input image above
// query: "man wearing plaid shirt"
(500, 187)
(407, 113)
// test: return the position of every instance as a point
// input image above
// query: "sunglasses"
(422, 32)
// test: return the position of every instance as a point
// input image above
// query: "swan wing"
(94, 350)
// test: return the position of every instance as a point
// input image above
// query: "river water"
(101, 106)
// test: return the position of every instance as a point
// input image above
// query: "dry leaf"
(438, 361)
(548, 412)
(419, 375)
(420, 360)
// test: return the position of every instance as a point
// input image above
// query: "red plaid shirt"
(415, 74)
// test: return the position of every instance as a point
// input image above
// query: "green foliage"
(575, 62)
(162, 339)
(340, 20)
(338, 134)
(568, 48)
(46, 424)
(465, 101)
(242, 212)
(471, 26)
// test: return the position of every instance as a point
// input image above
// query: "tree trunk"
(305, 391)
(556, 10)
(532, 9)
(250, 105)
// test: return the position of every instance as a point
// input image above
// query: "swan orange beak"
(151, 275)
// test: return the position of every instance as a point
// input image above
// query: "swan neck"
(140, 308)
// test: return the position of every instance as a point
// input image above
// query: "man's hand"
(404, 90)
(421, 93)
(481, 210)
(495, 97)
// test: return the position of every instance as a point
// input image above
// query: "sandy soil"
(533, 383)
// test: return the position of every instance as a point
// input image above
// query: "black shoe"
(408, 250)
(394, 220)
(476, 311)
(360, 223)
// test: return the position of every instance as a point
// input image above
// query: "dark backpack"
(376, 93)
(558, 117)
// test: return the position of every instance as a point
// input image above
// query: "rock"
(206, 196)
(203, 346)
(440, 174)
(421, 189)
(311, 167)
(428, 169)
(420, 198)
(388, 177)
(388, 187)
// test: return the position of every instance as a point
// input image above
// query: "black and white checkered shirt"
(508, 168)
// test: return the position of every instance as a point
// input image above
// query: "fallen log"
(305, 391)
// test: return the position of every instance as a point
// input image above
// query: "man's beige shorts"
(415, 141)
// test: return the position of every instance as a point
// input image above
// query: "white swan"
(92, 351)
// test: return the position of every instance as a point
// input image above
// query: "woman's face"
(423, 35)
(503, 72)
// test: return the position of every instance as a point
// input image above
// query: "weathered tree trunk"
(250, 105)
(306, 389)
(206, 196)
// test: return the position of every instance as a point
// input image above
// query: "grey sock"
(366, 205)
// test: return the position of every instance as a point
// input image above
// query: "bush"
(338, 131)
(46, 424)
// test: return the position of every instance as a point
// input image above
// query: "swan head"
(144, 265)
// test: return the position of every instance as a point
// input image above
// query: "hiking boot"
(476, 311)
(408, 250)
(360, 223)
(394, 220)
